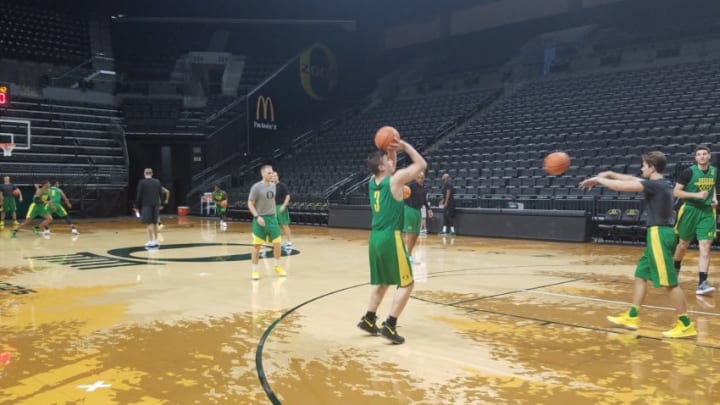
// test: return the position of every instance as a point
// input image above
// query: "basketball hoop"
(7, 148)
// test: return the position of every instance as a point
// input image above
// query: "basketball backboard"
(17, 132)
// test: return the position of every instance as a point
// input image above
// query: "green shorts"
(219, 209)
(695, 222)
(656, 262)
(268, 233)
(9, 204)
(37, 210)
(57, 209)
(389, 262)
(411, 220)
(284, 216)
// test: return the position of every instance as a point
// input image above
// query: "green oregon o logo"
(128, 253)
(318, 71)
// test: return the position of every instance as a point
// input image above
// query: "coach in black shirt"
(413, 216)
(149, 194)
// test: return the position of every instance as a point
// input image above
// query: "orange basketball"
(385, 136)
(16, 193)
(406, 192)
(223, 203)
(556, 163)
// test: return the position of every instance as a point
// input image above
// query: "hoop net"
(7, 148)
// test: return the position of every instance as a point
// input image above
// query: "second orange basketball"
(385, 136)
(556, 163)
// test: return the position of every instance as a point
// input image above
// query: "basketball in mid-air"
(406, 192)
(385, 136)
(556, 163)
(16, 193)
(223, 203)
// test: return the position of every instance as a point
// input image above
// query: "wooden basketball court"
(98, 320)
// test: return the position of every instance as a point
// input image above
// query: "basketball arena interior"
(509, 307)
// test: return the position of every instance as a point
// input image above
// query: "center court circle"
(128, 253)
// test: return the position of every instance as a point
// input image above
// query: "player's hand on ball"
(396, 146)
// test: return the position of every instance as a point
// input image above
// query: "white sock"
(275, 262)
(254, 267)
(444, 229)
(452, 229)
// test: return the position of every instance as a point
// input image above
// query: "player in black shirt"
(656, 262)
(448, 203)
(412, 214)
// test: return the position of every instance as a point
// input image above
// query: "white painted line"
(580, 297)
(93, 387)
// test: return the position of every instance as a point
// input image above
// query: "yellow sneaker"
(255, 275)
(681, 331)
(624, 319)
(279, 270)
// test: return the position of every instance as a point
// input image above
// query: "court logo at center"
(265, 113)
(137, 256)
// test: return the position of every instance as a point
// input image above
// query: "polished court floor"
(96, 319)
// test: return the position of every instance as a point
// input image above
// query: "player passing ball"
(656, 262)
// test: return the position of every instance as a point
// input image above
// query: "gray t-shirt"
(7, 189)
(149, 193)
(658, 201)
(263, 195)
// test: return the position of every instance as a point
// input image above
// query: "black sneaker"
(391, 333)
(369, 327)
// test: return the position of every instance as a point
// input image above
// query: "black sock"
(702, 277)
(677, 264)
(392, 321)
(371, 316)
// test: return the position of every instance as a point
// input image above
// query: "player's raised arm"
(409, 173)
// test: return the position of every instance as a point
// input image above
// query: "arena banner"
(292, 100)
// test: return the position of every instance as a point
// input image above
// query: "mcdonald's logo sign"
(265, 113)
(266, 105)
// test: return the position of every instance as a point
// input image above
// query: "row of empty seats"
(69, 140)
(604, 121)
(342, 152)
(44, 35)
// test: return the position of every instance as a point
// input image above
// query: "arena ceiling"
(365, 12)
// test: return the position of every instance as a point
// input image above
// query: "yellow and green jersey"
(700, 180)
(45, 196)
(55, 194)
(219, 195)
(387, 211)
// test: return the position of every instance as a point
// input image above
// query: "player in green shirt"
(389, 260)
(696, 217)
(219, 195)
(57, 196)
(38, 208)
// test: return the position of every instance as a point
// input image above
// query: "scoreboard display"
(4, 95)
